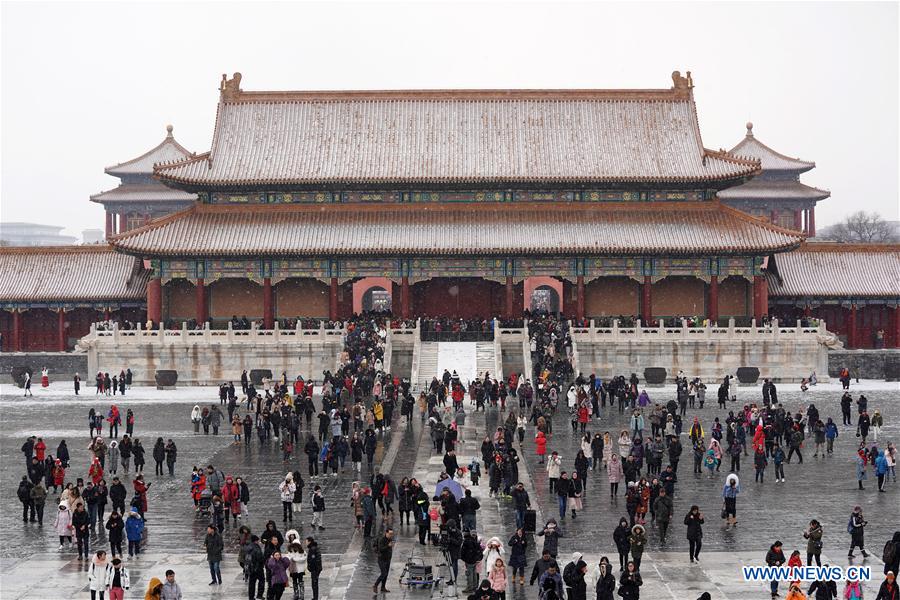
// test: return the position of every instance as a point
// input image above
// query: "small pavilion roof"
(457, 137)
(534, 229)
(166, 151)
(750, 147)
(143, 192)
(762, 188)
(70, 274)
(834, 270)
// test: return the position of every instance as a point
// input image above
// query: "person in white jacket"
(195, 418)
(97, 575)
(298, 566)
(117, 579)
(492, 551)
(287, 489)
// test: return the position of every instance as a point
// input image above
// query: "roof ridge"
(832, 246)
(67, 249)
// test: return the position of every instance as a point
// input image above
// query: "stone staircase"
(425, 364)
(486, 359)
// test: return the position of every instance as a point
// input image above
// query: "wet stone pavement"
(31, 566)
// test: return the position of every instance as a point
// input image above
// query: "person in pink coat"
(614, 473)
(63, 524)
(497, 577)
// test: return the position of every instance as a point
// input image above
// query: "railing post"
(322, 329)
(708, 332)
(299, 328)
(822, 328)
(116, 332)
(615, 329)
(254, 334)
(230, 333)
(753, 327)
(638, 329)
(207, 333)
(776, 328)
(798, 330)
(684, 328)
(184, 334)
(276, 329)
(731, 328)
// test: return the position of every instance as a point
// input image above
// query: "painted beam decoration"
(563, 267)
(451, 196)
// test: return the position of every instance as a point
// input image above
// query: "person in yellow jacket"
(378, 411)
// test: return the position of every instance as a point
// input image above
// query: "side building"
(140, 198)
(776, 195)
(49, 296)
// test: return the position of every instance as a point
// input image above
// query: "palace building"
(473, 203)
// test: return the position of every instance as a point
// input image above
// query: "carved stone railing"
(206, 335)
(774, 330)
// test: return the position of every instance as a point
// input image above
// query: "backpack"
(889, 554)
(850, 525)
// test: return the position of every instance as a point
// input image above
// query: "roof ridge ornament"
(749, 129)
(682, 83)
(229, 89)
(169, 130)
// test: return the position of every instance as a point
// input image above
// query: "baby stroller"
(205, 503)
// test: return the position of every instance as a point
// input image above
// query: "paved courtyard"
(31, 566)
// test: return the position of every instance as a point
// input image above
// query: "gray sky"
(87, 85)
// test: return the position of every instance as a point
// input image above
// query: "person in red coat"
(59, 475)
(540, 442)
(231, 495)
(140, 490)
(584, 416)
(40, 450)
(95, 471)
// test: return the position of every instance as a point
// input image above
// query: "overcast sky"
(87, 85)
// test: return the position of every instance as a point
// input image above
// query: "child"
(318, 507)
(287, 447)
(497, 577)
(474, 471)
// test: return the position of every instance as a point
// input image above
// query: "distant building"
(92, 236)
(140, 198)
(776, 195)
(33, 234)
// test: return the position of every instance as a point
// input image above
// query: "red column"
(798, 220)
(110, 224)
(200, 300)
(404, 297)
(579, 307)
(712, 309)
(107, 314)
(851, 327)
(268, 304)
(646, 301)
(896, 328)
(508, 312)
(61, 331)
(17, 341)
(333, 300)
(760, 296)
(774, 217)
(807, 311)
(812, 222)
(154, 300)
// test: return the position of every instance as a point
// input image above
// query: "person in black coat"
(630, 583)
(62, 453)
(623, 545)
(606, 581)
(159, 455)
(116, 527)
(117, 495)
(694, 521)
(313, 565)
(24, 494)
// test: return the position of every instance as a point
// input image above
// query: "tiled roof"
(144, 192)
(833, 270)
(457, 136)
(750, 147)
(70, 274)
(625, 228)
(167, 151)
(768, 189)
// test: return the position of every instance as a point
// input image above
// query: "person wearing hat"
(483, 592)
(855, 528)
(888, 589)
(63, 524)
(636, 541)
(775, 558)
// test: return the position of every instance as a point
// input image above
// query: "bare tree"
(862, 227)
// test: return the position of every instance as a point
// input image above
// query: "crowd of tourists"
(358, 401)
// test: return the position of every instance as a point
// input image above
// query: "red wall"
(474, 297)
